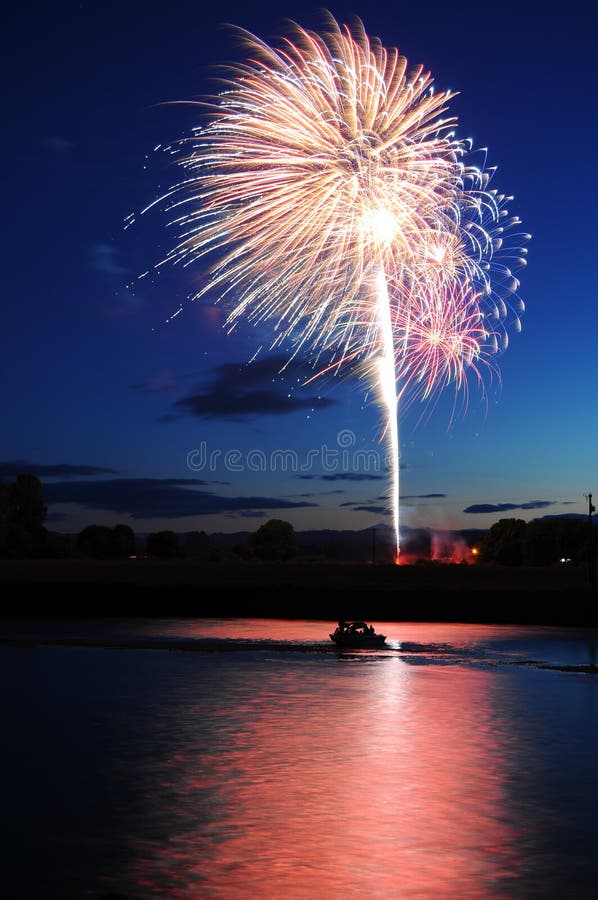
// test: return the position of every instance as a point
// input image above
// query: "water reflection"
(362, 780)
(272, 773)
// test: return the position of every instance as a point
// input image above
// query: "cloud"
(477, 508)
(421, 496)
(12, 468)
(378, 510)
(320, 493)
(150, 498)
(240, 391)
(344, 476)
(565, 516)
(104, 259)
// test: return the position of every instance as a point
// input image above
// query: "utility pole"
(591, 509)
(373, 546)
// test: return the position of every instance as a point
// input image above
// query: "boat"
(357, 635)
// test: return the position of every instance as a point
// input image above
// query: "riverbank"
(427, 593)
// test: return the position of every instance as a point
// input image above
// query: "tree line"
(541, 542)
(23, 535)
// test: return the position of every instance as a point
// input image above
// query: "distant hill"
(367, 544)
(375, 544)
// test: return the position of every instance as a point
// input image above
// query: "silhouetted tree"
(124, 543)
(103, 542)
(96, 542)
(59, 546)
(3, 517)
(547, 541)
(503, 544)
(274, 540)
(216, 553)
(165, 545)
(22, 513)
(541, 542)
(540, 545)
(244, 549)
(197, 545)
(26, 503)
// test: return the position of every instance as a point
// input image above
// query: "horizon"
(368, 530)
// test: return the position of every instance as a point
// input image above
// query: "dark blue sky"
(129, 420)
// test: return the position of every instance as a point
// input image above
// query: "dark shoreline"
(295, 590)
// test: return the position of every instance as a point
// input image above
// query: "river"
(249, 758)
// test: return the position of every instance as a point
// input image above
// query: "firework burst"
(329, 194)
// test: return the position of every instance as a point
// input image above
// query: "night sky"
(127, 419)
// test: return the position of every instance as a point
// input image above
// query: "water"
(251, 759)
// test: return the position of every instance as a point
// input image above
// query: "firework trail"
(329, 195)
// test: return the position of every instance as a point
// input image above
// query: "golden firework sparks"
(329, 194)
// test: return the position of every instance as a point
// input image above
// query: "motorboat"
(357, 635)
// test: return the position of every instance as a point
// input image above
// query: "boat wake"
(407, 652)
